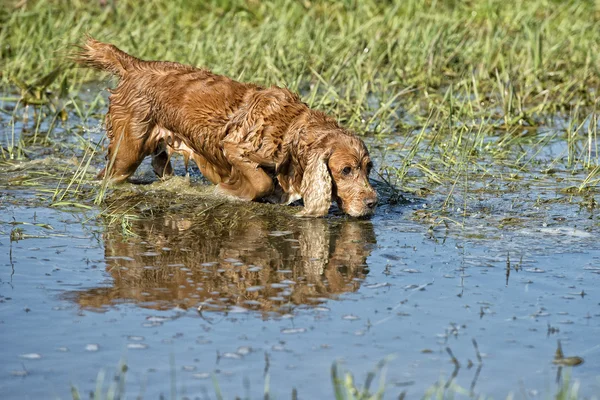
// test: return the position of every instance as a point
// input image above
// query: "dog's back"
(195, 103)
(158, 101)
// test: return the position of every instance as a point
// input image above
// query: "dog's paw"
(224, 193)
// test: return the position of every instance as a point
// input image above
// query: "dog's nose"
(371, 203)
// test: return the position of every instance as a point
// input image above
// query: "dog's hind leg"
(122, 159)
(162, 141)
(161, 163)
(128, 133)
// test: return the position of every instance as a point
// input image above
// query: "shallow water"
(185, 287)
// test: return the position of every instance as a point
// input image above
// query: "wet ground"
(184, 287)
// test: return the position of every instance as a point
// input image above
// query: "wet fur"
(254, 143)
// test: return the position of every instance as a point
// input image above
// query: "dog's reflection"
(259, 263)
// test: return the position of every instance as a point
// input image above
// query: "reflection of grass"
(344, 388)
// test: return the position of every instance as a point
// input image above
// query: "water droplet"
(535, 270)
(377, 285)
(150, 254)
(209, 264)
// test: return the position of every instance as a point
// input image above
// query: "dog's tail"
(105, 57)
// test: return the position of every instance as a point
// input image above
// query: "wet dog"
(254, 143)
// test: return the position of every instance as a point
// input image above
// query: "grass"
(343, 387)
(463, 98)
(380, 67)
(539, 56)
(461, 81)
(470, 92)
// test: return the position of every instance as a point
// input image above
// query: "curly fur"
(254, 143)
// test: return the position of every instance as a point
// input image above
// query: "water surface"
(182, 286)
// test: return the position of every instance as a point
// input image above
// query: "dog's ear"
(316, 186)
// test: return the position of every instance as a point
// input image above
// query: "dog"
(254, 143)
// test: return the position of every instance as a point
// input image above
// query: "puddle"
(184, 287)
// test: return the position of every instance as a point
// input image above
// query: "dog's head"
(339, 170)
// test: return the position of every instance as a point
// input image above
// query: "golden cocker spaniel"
(255, 143)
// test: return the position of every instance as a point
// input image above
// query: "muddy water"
(183, 287)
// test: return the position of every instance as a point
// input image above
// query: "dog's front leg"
(248, 181)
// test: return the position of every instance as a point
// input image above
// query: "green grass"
(470, 91)
(463, 96)
(343, 387)
(359, 59)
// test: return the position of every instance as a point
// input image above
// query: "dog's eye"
(347, 170)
